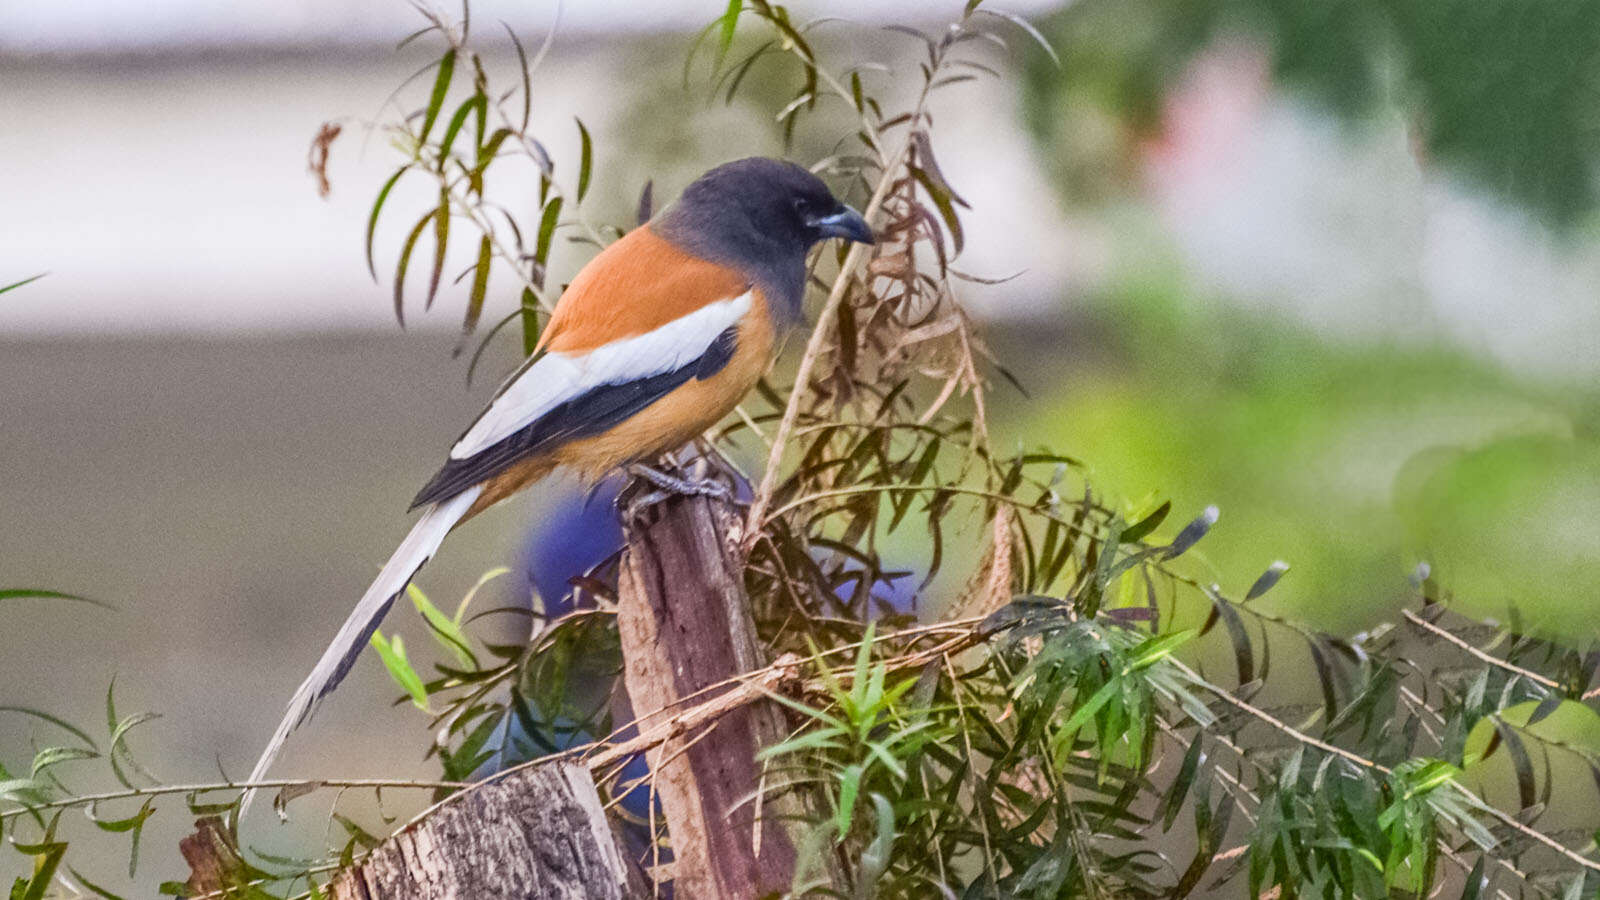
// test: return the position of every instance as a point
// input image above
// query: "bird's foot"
(667, 486)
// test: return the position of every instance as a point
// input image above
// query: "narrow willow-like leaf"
(530, 322)
(943, 202)
(41, 594)
(377, 207)
(476, 103)
(16, 284)
(1029, 29)
(393, 654)
(547, 231)
(1141, 529)
(1521, 762)
(1173, 801)
(404, 263)
(57, 721)
(480, 290)
(441, 86)
(585, 159)
(1242, 652)
(525, 73)
(727, 24)
(441, 241)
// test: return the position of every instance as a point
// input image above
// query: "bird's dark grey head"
(762, 216)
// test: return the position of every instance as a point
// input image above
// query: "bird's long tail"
(413, 552)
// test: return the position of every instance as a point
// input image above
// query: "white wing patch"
(557, 377)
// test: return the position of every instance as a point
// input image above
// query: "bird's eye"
(801, 206)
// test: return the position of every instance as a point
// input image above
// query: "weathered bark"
(536, 833)
(685, 625)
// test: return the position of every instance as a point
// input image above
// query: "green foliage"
(1502, 90)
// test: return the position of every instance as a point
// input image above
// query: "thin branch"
(213, 787)
(1489, 658)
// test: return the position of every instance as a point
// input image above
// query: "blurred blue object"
(579, 532)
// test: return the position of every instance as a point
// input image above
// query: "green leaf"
(446, 631)
(1027, 27)
(944, 202)
(441, 86)
(1085, 712)
(39, 594)
(405, 263)
(95, 889)
(17, 284)
(1140, 529)
(585, 159)
(1158, 647)
(46, 859)
(530, 322)
(52, 756)
(441, 240)
(875, 857)
(377, 207)
(1476, 882)
(1520, 761)
(394, 659)
(1180, 785)
(480, 290)
(547, 231)
(727, 24)
(476, 102)
(849, 789)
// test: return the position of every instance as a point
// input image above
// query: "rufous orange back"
(634, 286)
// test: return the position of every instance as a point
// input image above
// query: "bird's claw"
(668, 486)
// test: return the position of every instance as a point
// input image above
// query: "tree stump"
(536, 834)
(685, 625)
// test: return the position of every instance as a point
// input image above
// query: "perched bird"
(653, 342)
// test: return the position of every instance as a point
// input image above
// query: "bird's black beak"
(847, 224)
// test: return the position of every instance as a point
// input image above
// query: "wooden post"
(536, 834)
(685, 624)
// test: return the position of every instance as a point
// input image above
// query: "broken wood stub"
(536, 834)
(685, 625)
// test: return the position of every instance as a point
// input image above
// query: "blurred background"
(1332, 267)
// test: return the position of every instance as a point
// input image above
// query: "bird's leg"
(669, 485)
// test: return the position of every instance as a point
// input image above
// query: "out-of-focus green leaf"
(585, 159)
(441, 241)
(377, 207)
(37, 594)
(17, 284)
(480, 290)
(547, 230)
(1141, 529)
(446, 631)
(476, 103)
(52, 756)
(95, 889)
(530, 322)
(57, 721)
(405, 263)
(727, 25)
(393, 654)
(441, 86)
